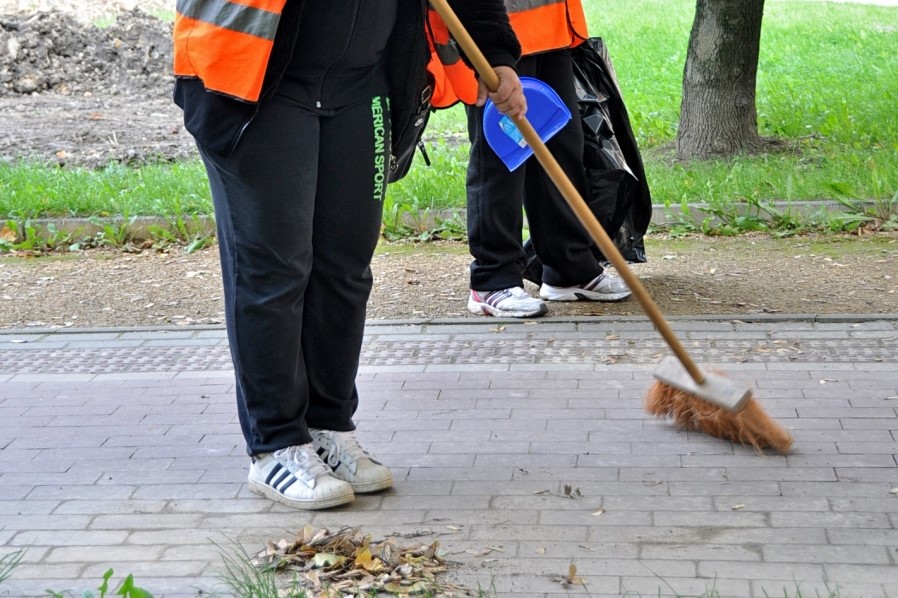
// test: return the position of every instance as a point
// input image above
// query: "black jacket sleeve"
(487, 23)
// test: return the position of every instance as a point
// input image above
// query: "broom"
(698, 401)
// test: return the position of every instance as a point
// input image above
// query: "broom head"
(750, 426)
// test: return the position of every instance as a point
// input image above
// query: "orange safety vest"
(226, 43)
(543, 25)
(540, 25)
(454, 80)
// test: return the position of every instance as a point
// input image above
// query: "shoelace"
(302, 461)
(346, 450)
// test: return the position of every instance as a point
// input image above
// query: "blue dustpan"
(545, 111)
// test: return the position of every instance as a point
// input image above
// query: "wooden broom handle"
(570, 193)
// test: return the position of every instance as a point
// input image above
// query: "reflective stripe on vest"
(453, 79)
(226, 43)
(543, 25)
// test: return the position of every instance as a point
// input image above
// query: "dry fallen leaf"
(571, 578)
(337, 564)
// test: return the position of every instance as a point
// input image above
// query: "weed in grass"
(410, 221)
(9, 561)
(26, 236)
(393, 225)
(112, 233)
(884, 212)
(190, 232)
(246, 580)
(126, 589)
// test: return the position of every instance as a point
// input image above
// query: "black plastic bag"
(618, 193)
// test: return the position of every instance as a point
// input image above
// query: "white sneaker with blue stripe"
(350, 462)
(297, 477)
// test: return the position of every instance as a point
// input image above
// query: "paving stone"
(674, 586)
(484, 431)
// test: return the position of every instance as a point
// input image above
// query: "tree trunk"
(718, 114)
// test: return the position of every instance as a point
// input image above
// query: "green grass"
(825, 88)
(29, 190)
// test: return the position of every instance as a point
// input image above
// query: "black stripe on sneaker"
(283, 487)
(274, 471)
(282, 478)
(496, 296)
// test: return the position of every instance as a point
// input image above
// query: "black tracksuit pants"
(495, 197)
(298, 211)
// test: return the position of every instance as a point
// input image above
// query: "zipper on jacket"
(270, 89)
(323, 79)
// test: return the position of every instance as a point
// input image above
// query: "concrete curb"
(374, 324)
(661, 216)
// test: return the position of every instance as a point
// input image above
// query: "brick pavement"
(120, 448)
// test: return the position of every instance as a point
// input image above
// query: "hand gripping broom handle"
(570, 193)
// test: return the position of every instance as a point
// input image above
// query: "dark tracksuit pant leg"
(495, 197)
(494, 213)
(298, 209)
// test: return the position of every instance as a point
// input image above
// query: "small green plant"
(21, 236)
(393, 225)
(29, 237)
(126, 589)
(191, 233)
(9, 561)
(882, 212)
(112, 233)
(402, 221)
(247, 580)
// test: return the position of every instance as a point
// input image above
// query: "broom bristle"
(751, 425)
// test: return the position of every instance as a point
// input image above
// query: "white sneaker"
(506, 303)
(604, 287)
(350, 462)
(296, 476)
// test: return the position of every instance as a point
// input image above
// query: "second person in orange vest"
(547, 30)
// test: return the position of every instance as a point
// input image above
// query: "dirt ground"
(76, 95)
(738, 276)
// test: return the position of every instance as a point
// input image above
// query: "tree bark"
(718, 116)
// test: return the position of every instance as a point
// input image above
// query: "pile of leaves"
(347, 563)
